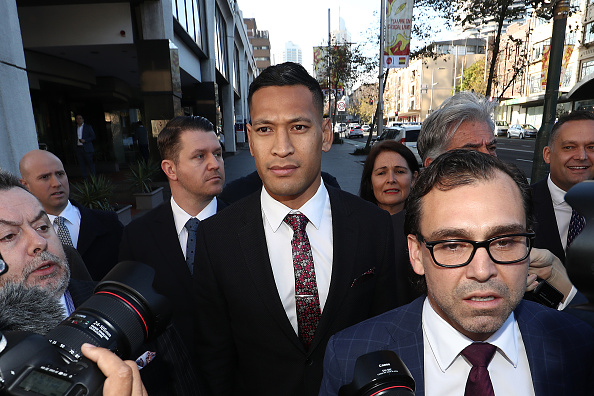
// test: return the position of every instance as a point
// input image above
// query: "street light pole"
(380, 112)
(432, 85)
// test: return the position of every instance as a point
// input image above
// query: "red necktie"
(479, 354)
(306, 288)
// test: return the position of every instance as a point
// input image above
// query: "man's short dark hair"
(8, 181)
(287, 74)
(366, 188)
(458, 168)
(168, 139)
(573, 116)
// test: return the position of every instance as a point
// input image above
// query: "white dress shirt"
(71, 214)
(562, 210)
(181, 217)
(79, 131)
(446, 370)
(278, 239)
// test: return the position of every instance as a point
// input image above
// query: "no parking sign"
(341, 105)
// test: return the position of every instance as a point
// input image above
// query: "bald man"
(95, 234)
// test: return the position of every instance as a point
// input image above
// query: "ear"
(415, 254)
(169, 169)
(24, 183)
(427, 162)
(414, 177)
(327, 135)
(249, 135)
(546, 154)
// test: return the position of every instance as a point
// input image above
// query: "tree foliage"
(473, 78)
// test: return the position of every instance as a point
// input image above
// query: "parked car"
(501, 128)
(365, 128)
(521, 131)
(355, 132)
(405, 134)
(340, 127)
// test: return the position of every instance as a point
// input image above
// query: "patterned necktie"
(191, 226)
(479, 354)
(306, 288)
(576, 225)
(63, 232)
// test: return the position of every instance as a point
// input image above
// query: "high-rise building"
(341, 35)
(260, 43)
(292, 53)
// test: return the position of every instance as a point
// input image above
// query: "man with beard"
(469, 228)
(34, 257)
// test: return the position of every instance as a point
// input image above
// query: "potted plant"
(94, 193)
(140, 179)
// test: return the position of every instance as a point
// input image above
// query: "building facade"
(412, 93)
(260, 43)
(117, 63)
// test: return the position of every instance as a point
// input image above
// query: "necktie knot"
(192, 224)
(297, 221)
(479, 354)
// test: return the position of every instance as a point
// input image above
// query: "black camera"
(380, 373)
(123, 314)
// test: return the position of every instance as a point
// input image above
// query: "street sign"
(341, 105)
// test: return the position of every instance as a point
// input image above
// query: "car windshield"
(501, 123)
(528, 126)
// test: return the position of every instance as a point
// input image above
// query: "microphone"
(28, 308)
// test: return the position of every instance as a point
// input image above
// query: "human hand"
(122, 377)
(547, 266)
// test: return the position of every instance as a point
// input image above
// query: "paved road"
(517, 151)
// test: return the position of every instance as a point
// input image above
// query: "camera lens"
(124, 312)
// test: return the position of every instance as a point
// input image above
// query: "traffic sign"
(341, 105)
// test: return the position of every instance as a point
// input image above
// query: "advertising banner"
(399, 15)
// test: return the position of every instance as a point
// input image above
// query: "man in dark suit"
(31, 255)
(468, 220)
(193, 162)
(270, 291)
(570, 153)
(95, 234)
(84, 146)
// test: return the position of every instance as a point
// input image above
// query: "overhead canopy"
(581, 91)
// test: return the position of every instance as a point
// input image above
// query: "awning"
(581, 91)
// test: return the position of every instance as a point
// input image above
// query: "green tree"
(473, 78)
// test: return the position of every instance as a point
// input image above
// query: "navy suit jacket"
(547, 231)
(560, 348)
(88, 135)
(98, 240)
(152, 239)
(245, 342)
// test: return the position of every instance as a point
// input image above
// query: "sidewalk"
(339, 162)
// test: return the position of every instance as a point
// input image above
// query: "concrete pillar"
(17, 125)
(160, 83)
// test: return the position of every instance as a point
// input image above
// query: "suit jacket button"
(309, 362)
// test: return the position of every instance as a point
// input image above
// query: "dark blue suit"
(84, 153)
(560, 348)
(547, 231)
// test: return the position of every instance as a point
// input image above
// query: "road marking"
(510, 149)
(522, 159)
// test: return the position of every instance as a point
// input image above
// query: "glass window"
(587, 68)
(566, 80)
(537, 49)
(197, 26)
(535, 84)
(589, 33)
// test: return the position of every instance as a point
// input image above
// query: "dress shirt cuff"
(567, 301)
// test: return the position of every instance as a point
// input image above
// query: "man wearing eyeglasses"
(469, 226)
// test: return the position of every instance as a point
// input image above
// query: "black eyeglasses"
(503, 249)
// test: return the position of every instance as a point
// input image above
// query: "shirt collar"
(557, 194)
(70, 213)
(275, 212)
(181, 217)
(446, 343)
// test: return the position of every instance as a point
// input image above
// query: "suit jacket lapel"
(166, 241)
(547, 233)
(89, 228)
(252, 240)
(344, 234)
